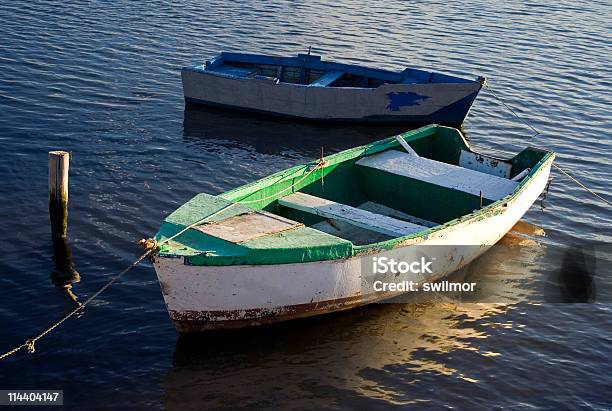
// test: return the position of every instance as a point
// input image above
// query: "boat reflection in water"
(204, 125)
(348, 356)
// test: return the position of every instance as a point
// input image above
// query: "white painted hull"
(208, 297)
(443, 103)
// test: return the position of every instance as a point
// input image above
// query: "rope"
(575, 180)
(150, 246)
(29, 344)
(488, 87)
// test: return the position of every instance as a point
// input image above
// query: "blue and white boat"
(306, 87)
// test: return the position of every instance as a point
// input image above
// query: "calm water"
(103, 81)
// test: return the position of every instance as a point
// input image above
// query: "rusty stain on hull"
(195, 321)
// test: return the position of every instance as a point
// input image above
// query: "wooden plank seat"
(352, 215)
(439, 173)
(248, 226)
(327, 78)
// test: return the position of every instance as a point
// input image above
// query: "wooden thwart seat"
(327, 78)
(355, 216)
(439, 173)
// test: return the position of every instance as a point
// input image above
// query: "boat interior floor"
(370, 221)
(307, 76)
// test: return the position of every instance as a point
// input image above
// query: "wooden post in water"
(59, 161)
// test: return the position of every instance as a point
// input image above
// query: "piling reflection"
(349, 355)
(581, 275)
(64, 273)
(267, 135)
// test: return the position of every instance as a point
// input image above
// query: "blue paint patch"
(404, 99)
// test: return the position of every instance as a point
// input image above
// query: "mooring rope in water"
(488, 87)
(150, 246)
(29, 344)
(575, 180)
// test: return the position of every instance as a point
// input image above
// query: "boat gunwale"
(302, 60)
(308, 86)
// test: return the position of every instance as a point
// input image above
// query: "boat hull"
(414, 104)
(200, 298)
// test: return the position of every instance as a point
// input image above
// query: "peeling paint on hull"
(196, 321)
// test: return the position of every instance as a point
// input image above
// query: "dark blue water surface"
(102, 80)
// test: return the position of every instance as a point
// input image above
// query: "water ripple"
(102, 80)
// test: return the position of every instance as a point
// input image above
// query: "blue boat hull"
(451, 115)
(307, 88)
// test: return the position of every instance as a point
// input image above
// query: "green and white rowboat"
(301, 242)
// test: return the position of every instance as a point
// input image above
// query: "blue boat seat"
(234, 71)
(327, 78)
